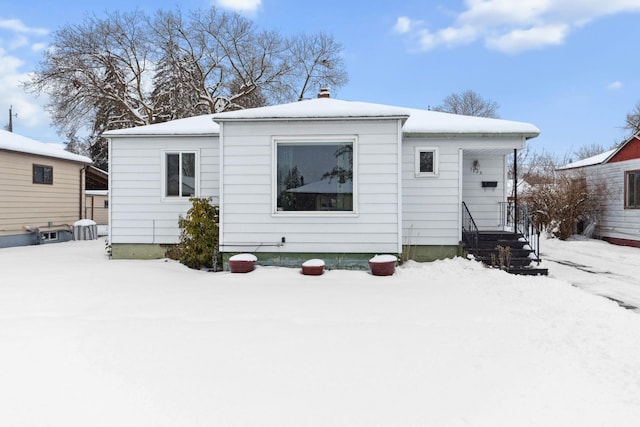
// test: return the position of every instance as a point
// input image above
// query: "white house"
(320, 177)
(619, 168)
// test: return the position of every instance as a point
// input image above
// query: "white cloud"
(403, 25)
(614, 85)
(18, 26)
(18, 42)
(240, 5)
(533, 38)
(515, 25)
(38, 47)
(30, 109)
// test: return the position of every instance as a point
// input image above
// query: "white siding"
(247, 218)
(138, 212)
(617, 222)
(484, 203)
(431, 205)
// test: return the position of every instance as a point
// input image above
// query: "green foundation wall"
(430, 253)
(342, 261)
(332, 261)
(136, 251)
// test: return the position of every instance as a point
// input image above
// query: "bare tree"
(560, 199)
(316, 62)
(632, 122)
(98, 61)
(589, 150)
(468, 103)
(131, 69)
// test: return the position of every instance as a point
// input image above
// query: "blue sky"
(568, 66)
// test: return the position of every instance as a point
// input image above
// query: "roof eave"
(85, 162)
(526, 135)
(142, 135)
(289, 119)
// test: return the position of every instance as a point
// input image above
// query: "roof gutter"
(525, 135)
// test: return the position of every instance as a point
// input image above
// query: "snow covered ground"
(87, 341)
(596, 266)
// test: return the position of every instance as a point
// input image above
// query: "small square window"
(426, 162)
(42, 174)
(50, 236)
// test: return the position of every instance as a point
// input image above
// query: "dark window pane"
(315, 177)
(42, 174)
(426, 161)
(188, 174)
(173, 174)
(634, 179)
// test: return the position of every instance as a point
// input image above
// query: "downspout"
(515, 189)
(400, 137)
(81, 193)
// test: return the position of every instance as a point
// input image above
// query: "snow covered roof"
(435, 122)
(415, 121)
(324, 186)
(13, 142)
(317, 108)
(198, 125)
(590, 161)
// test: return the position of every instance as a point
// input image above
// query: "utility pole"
(10, 127)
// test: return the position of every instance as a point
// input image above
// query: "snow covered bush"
(560, 200)
(198, 235)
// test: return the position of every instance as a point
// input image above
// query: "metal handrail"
(470, 232)
(522, 222)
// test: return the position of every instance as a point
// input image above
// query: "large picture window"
(314, 176)
(42, 174)
(180, 174)
(632, 190)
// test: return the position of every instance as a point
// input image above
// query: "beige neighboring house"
(41, 191)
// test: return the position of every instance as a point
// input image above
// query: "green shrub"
(198, 235)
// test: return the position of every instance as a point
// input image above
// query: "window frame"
(44, 175)
(50, 236)
(417, 171)
(317, 140)
(626, 189)
(164, 159)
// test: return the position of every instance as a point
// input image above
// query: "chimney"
(324, 93)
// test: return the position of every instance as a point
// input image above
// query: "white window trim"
(312, 140)
(433, 174)
(50, 236)
(163, 175)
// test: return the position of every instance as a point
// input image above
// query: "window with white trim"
(426, 161)
(632, 190)
(314, 175)
(49, 236)
(180, 173)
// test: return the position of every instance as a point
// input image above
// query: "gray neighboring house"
(619, 168)
(323, 177)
